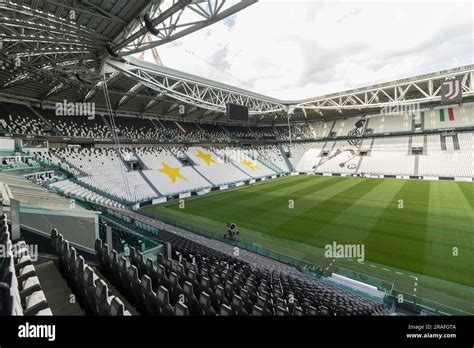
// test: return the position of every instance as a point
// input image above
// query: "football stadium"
(138, 189)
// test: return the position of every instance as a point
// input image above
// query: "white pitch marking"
(399, 273)
(385, 269)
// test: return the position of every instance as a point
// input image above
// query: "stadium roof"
(64, 50)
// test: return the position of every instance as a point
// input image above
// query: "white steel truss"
(169, 20)
(193, 91)
(420, 89)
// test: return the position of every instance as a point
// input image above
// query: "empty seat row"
(20, 288)
(274, 292)
(91, 291)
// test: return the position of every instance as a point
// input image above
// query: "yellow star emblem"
(249, 164)
(206, 157)
(173, 173)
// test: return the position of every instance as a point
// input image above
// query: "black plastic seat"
(237, 305)
(105, 256)
(280, 311)
(219, 298)
(205, 285)
(77, 278)
(133, 256)
(125, 280)
(59, 246)
(115, 268)
(54, 237)
(263, 304)
(98, 253)
(149, 267)
(164, 302)
(164, 281)
(247, 302)
(225, 310)
(70, 266)
(298, 311)
(137, 289)
(89, 278)
(228, 291)
(151, 304)
(257, 311)
(117, 307)
(102, 299)
(63, 258)
(181, 309)
(176, 291)
(153, 274)
(205, 304)
(141, 265)
(191, 301)
(215, 281)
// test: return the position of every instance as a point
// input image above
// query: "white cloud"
(301, 49)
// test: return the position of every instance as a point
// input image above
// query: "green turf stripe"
(253, 203)
(223, 198)
(467, 189)
(444, 232)
(353, 224)
(313, 211)
(436, 215)
(398, 236)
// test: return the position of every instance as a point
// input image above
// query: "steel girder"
(420, 89)
(198, 93)
(59, 40)
(169, 20)
(212, 96)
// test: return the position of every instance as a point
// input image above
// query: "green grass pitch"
(425, 227)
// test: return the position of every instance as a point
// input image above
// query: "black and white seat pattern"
(20, 288)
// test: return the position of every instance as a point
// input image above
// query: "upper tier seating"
(352, 126)
(390, 123)
(18, 119)
(443, 117)
(77, 126)
(138, 128)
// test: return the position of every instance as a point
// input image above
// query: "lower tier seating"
(197, 280)
(91, 291)
(20, 288)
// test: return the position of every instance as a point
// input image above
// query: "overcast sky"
(301, 49)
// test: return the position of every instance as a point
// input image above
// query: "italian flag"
(442, 113)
